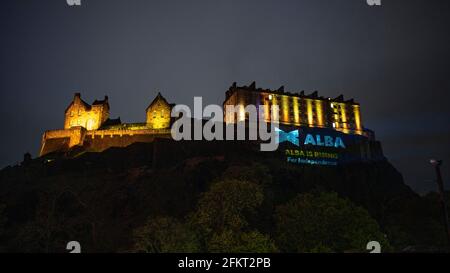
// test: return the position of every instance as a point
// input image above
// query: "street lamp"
(437, 166)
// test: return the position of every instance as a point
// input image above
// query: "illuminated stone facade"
(89, 126)
(158, 113)
(80, 113)
(296, 109)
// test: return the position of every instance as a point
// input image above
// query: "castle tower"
(81, 114)
(158, 113)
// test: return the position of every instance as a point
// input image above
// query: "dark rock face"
(99, 198)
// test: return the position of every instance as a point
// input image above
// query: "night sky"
(393, 59)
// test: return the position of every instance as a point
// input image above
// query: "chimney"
(77, 97)
(339, 98)
(26, 159)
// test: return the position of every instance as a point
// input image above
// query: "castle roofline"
(98, 102)
(280, 91)
(111, 122)
(87, 106)
(77, 97)
(159, 97)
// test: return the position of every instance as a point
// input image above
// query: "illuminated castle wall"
(158, 113)
(296, 109)
(91, 117)
(89, 127)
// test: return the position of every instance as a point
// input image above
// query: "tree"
(227, 205)
(165, 235)
(241, 242)
(222, 218)
(57, 220)
(324, 222)
(415, 222)
(256, 173)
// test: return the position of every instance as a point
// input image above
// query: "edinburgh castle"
(89, 128)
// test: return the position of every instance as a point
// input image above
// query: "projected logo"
(310, 139)
(312, 147)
